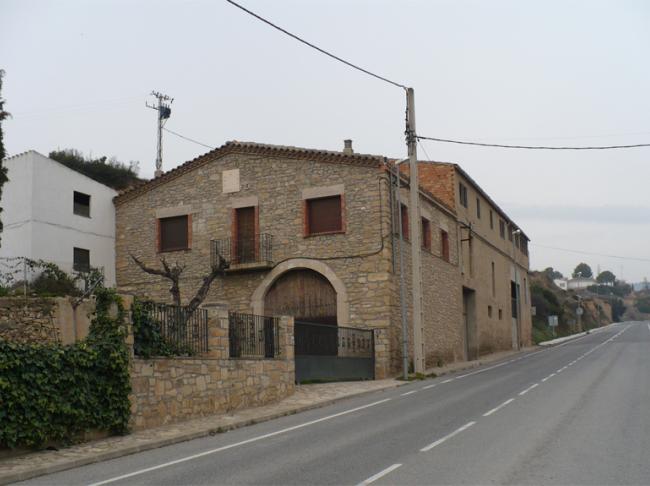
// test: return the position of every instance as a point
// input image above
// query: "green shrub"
(53, 393)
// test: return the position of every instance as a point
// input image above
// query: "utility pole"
(414, 228)
(164, 112)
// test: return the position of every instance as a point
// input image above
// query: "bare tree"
(173, 274)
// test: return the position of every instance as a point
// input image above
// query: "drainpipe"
(402, 284)
(517, 296)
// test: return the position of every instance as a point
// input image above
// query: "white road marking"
(237, 444)
(447, 381)
(408, 393)
(428, 386)
(549, 376)
(496, 409)
(528, 389)
(380, 474)
(447, 437)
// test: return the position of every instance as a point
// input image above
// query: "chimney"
(347, 147)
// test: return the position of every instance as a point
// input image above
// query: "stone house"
(307, 233)
(494, 263)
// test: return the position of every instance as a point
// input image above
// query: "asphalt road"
(578, 413)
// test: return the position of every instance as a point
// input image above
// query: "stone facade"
(360, 262)
(39, 320)
(489, 262)
(168, 390)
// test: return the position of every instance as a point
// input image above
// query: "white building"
(53, 213)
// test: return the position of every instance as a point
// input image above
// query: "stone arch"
(342, 305)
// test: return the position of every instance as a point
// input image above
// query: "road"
(578, 413)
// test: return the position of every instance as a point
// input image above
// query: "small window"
(502, 229)
(491, 219)
(444, 245)
(489, 311)
(173, 233)
(324, 215)
(500, 314)
(426, 234)
(510, 229)
(478, 208)
(494, 281)
(80, 260)
(81, 204)
(462, 193)
(404, 211)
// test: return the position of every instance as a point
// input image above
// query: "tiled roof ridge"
(235, 146)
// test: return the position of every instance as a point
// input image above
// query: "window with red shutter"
(324, 215)
(173, 233)
(444, 245)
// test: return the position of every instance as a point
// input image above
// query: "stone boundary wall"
(168, 390)
(44, 320)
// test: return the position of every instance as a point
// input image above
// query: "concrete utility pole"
(414, 228)
(164, 112)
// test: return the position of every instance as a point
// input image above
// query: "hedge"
(54, 393)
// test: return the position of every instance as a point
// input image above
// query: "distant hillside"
(548, 299)
(109, 172)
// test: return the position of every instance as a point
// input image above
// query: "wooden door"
(245, 237)
(304, 294)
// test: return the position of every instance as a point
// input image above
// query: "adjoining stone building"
(494, 262)
(308, 233)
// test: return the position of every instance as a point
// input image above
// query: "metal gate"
(333, 353)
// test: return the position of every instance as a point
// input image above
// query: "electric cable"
(188, 138)
(582, 252)
(532, 147)
(313, 46)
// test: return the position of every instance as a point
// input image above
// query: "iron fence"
(170, 330)
(253, 336)
(236, 251)
(326, 340)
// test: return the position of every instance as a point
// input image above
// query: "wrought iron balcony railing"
(242, 251)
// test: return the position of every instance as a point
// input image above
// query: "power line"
(581, 252)
(188, 138)
(533, 147)
(322, 51)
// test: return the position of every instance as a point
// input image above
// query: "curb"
(564, 339)
(155, 444)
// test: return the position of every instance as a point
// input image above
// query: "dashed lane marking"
(535, 385)
(447, 437)
(380, 474)
(496, 409)
(409, 393)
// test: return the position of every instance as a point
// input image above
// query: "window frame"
(425, 226)
(491, 219)
(502, 229)
(76, 266)
(478, 207)
(462, 195)
(306, 218)
(75, 204)
(445, 252)
(159, 225)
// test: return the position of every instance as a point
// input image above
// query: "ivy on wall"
(53, 393)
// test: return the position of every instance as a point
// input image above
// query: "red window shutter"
(324, 215)
(405, 221)
(174, 233)
(426, 234)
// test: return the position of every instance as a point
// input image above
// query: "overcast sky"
(526, 72)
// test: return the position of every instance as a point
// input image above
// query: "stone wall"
(44, 320)
(168, 390)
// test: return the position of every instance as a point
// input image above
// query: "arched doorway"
(304, 294)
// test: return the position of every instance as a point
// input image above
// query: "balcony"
(243, 254)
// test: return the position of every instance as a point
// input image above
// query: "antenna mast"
(164, 112)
